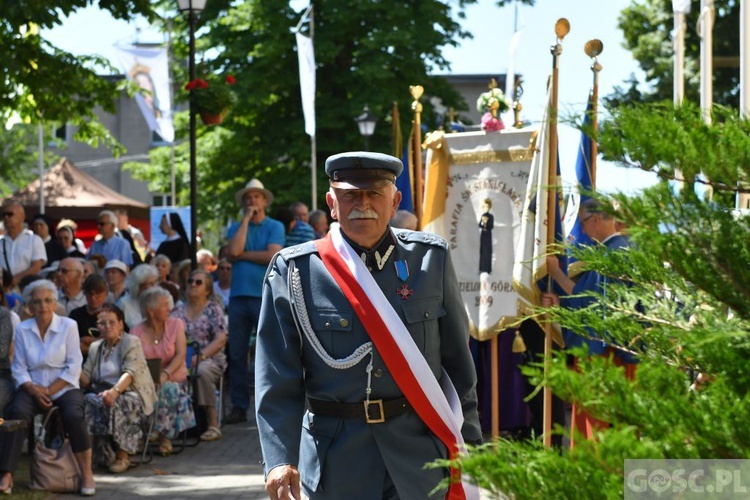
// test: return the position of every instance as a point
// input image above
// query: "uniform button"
(344, 322)
(328, 324)
(378, 373)
(426, 315)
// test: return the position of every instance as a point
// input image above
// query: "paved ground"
(228, 469)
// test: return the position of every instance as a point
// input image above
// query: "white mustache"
(367, 214)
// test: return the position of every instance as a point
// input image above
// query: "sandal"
(212, 434)
(120, 465)
(165, 447)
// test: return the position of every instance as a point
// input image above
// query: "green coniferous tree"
(687, 313)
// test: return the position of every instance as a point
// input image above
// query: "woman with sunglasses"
(120, 391)
(206, 329)
(163, 337)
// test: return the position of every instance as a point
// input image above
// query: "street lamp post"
(366, 123)
(192, 8)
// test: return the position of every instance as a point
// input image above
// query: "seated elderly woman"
(46, 366)
(163, 337)
(205, 326)
(120, 391)
(141, 278)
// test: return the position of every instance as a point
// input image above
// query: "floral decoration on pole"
(212, 97)
(492, 103)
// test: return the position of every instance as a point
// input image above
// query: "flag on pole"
(581, 192)
(149, 68)
(530, 268)
(306, 56)
(403, 181)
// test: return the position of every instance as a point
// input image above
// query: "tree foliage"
(647, 27)
(41, 83)
(366, 53)
(691, 285)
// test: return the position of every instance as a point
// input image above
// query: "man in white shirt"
(22, 252)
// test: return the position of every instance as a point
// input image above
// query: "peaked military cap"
(362, 170)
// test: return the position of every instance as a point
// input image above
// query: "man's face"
(364, 213)
(254, 199)
(105, 227)
(13, 216)
(589, 224)
(301, 212)
(321, 226)
(114, 277)
(70, 273)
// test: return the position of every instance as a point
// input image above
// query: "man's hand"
(550, 299)
(249, 213)
(283, 483)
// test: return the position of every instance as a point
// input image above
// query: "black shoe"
(236, 416)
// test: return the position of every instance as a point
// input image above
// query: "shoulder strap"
(5, 255)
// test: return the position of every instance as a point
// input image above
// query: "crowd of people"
(78, 325)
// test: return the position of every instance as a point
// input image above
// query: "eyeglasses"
(65, 271)
(106, 324)
(8, 214)
(587, 218)
(196, 281)
(102, 223)
(46, 301)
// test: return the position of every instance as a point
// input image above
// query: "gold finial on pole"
(517, 106)
(416, 107)
(592, 49)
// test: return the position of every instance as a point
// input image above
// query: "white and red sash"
(438, 407)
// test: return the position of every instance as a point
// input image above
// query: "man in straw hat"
(252, 243)
(359, 334)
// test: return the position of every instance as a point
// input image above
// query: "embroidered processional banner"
(474, 198)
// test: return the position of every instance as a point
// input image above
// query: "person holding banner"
(363, 371)
(601, 227)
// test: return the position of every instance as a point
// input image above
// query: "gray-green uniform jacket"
(349, 458)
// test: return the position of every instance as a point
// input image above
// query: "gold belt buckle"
(378, 403)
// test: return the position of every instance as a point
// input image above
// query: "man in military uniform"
(352, 408)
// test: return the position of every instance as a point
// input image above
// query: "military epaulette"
(420, 237)
(298, 250)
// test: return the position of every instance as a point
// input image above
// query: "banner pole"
(562, 28)
(593, 48)
(416, 107)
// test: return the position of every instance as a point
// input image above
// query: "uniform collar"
(375, 258)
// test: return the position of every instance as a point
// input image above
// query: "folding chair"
(154, 368)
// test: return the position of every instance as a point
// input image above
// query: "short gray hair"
(32, 287)
(148, 298)
(594, 206)
(139, 275)
(109, 214)
(161, 258)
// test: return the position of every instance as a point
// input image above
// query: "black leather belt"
(374, 411)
